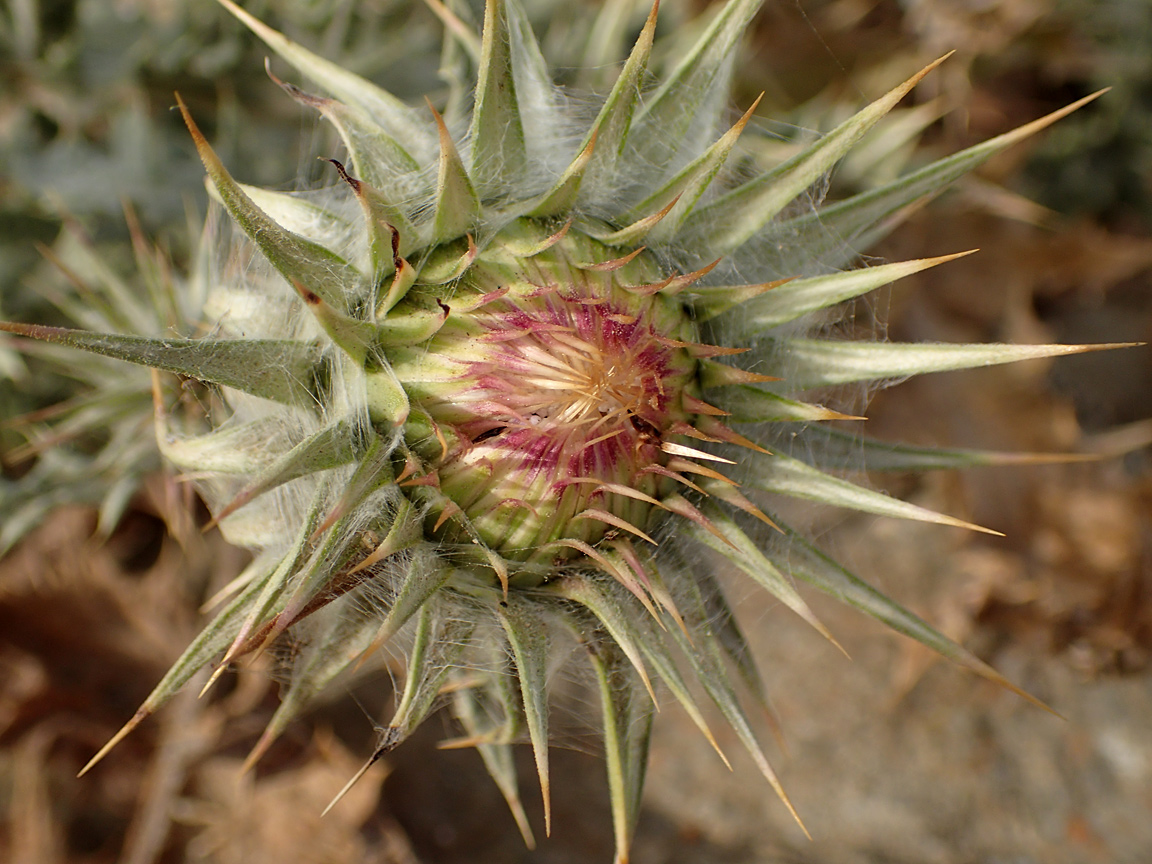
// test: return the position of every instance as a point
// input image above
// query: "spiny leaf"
(840, 228)
(527, 633)
(440, 639)
(745, 554)
(211, 641)
(457, 205)
(283, 371)
(425, 577)
(376, 156)
(687, 102)
(541, 118)
(297, 258)
(801, 296)
(733, 219)
(610, 128)
(715, 681)
(833, 448)
(497, 132)
(498, 758)
(787, 476)
(627, 723)
(335, 636)
(818, 362)
(690, 183)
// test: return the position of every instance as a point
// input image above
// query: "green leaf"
(609, 130)
(440, 639)
(729, 540)
(689, 184)
(784, 475)
(376, 156)
(819, 362)
(457, 205)
(498, 152)
(333, 638)
(690, 99)
(499, 758)
(527, 633)
(283, 371)
(839, 228)
(627, 723)
(211, 641)
(801, 296)
(834, 448)
(733, 219)
(298, 259)
(714, 678)
(329, 447)
(750, 404)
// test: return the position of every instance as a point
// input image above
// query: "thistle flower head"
(476, 398)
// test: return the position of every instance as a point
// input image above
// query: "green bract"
(482, 396)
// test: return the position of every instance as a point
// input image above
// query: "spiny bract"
(479, 399)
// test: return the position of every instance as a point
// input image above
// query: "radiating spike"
(497, 132)
(755, 405)
(610, 265)
(692, 453)
(732, 219)
(613, 520)
(692, 181)
(283, 371)
(680, 505)
(712, 300)
(384, 225)
(832, 448)
(528, 635)
(801, 296)
(296, 258)
(818, 363)
(698, 406)
(721, 432)
(377, 158)
(634, 233)
(329, 447)
(213, 639)
(674, 284)
(729, 494)
(627, 721)
(562, 196)
(713, 374)
(424, 579)
(838, 231)
(353, 780)
(608, 611)
(457, 205)
(787, 476)
(686, 101)
(355, 338)
(404, 534)
(714, 678)
(611, 126)
(742, 551)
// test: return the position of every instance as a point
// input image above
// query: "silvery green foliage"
(488, 394)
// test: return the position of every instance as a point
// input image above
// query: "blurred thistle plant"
(477, 400)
